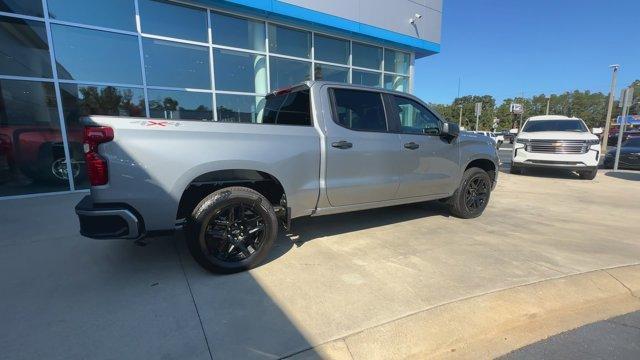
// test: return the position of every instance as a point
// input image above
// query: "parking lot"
(326, 287)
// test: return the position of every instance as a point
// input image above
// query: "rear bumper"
(106, 221)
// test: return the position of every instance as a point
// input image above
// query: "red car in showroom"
(38, 153)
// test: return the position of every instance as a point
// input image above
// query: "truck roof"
(552, 117)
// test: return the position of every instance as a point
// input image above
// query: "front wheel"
(231, 230)
(472, 197)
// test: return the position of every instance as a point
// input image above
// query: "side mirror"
(450, 130)
(596, 131)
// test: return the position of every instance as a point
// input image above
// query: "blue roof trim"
(279, 9)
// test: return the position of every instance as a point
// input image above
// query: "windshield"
(555, 125)
(635, 142)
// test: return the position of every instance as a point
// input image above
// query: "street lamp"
(605, 136)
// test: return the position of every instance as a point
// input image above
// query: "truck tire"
(472, 196)
(588, 175)
(231, 230)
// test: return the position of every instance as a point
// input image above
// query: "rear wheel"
(231, 230)
(588, 175)
(472, 197)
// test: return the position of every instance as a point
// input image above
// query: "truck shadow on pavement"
(311, 228)
(631, 176)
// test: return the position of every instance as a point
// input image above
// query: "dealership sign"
(630, 120)
(516, 108)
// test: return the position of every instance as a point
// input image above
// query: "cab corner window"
(288, 108)
(359, 110)
(415, 118)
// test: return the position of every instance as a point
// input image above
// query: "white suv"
(554, 141)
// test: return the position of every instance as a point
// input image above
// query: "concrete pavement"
(65, 297)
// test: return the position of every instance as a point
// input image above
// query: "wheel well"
(486, 165)
(205, 184)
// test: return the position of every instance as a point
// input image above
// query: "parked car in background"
(630, 133)
(497, 138)
(629, 155)
(319, 148)
(559, 142)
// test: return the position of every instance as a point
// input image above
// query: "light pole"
(605, 135)
(548, 101)
(460, 117)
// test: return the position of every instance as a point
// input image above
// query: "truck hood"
(557, 135)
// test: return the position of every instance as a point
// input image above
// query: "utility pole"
(605, 135)
(460, 117)
(478, 111)
(548, 101)
(627, 100)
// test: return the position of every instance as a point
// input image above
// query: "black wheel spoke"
(235, 232)
(476, 193)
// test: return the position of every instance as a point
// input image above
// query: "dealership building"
(201, 60)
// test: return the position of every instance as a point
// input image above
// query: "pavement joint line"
(622, 324)
(193, 299)
(344, 337)
(623, 284)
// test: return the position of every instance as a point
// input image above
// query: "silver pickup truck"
(315, 149)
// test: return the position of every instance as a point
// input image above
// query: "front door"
(362, 156)
(430, 164)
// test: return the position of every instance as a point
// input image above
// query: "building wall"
(391, 15)
(147, 58)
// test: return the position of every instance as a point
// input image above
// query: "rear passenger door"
(430, 164)
(361, 154)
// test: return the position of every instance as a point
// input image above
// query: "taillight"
(97, 169)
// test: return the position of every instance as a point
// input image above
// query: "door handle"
(411, 146)
(342, 145)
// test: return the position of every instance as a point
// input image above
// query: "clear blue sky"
(506, 47)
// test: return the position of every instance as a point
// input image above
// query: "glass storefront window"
(366, 56)
(32, 156)
(173, 20)
(396, 61)
(180, 105)
(239, 108)
(233, 31)
(23, 7)
(331, 73)
(173, 64)
(396, 82)
(289, 41)
(240, 71)
(286, 72)
(368, 78)
(116, 14)
(93, 55)
(24, 50)
(84, 100)
(331, 49)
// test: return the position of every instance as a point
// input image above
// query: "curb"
(496, 323)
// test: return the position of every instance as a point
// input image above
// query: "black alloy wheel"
(472, 196)
(477, 193)
(231, 230)
(234, 232)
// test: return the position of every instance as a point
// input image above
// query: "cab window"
(359, 110)
(415, 118)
